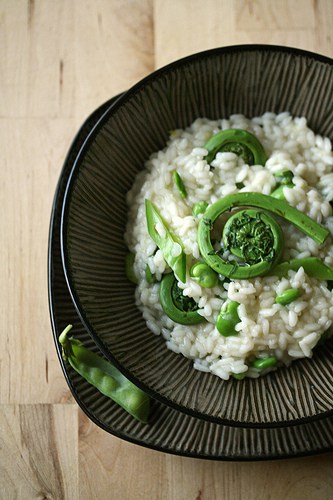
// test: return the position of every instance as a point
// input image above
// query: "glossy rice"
(265, 328)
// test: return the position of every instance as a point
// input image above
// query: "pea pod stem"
(166, 242)
(105, 377)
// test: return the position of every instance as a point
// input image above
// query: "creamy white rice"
(265, 328)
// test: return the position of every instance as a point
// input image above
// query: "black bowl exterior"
(249, 80)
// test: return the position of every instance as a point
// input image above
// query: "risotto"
(231, 243)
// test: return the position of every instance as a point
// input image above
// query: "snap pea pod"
(312, 266)
(254, 200)
(166, 241)
(228, 319)
(179, 308)
(238, 141)
(105, 377)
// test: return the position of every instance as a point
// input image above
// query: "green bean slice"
(178, 181)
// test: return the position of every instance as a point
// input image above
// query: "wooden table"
(59, 60)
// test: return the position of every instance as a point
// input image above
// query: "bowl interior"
(248, 80)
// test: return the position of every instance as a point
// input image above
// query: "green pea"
(179, 184)
(199, 208)
(204, 275)
(228, 319)
(263, 363)
(129, 268)
(288, 296)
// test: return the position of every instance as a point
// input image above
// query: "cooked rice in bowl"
(265, 328)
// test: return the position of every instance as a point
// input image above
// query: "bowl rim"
(112, 108)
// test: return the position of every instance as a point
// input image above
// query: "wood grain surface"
(59, 60)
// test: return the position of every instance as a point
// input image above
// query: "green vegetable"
(284, 177)
(239, 376)
(199, 208)
(228, 319)
(177, 306)
(312, 266)
(253, 236)
(149, 275)
(204, 275)
(105, 377)
(179, 184)
(288, 296)
(263, 363)
(240, 142)
(279, 207)
(278, 192)
(166, 241)
(129, 268)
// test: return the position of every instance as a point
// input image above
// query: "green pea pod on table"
(170, 246)
(100, 373)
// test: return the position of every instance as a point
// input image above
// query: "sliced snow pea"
(105, 377)
(238, 141)
(177, 306)
(178, 181)
(228, 319)
(170, 246)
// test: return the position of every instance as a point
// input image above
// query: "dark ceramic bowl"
(213, 84)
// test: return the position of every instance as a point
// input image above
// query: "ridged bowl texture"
(242, 79)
